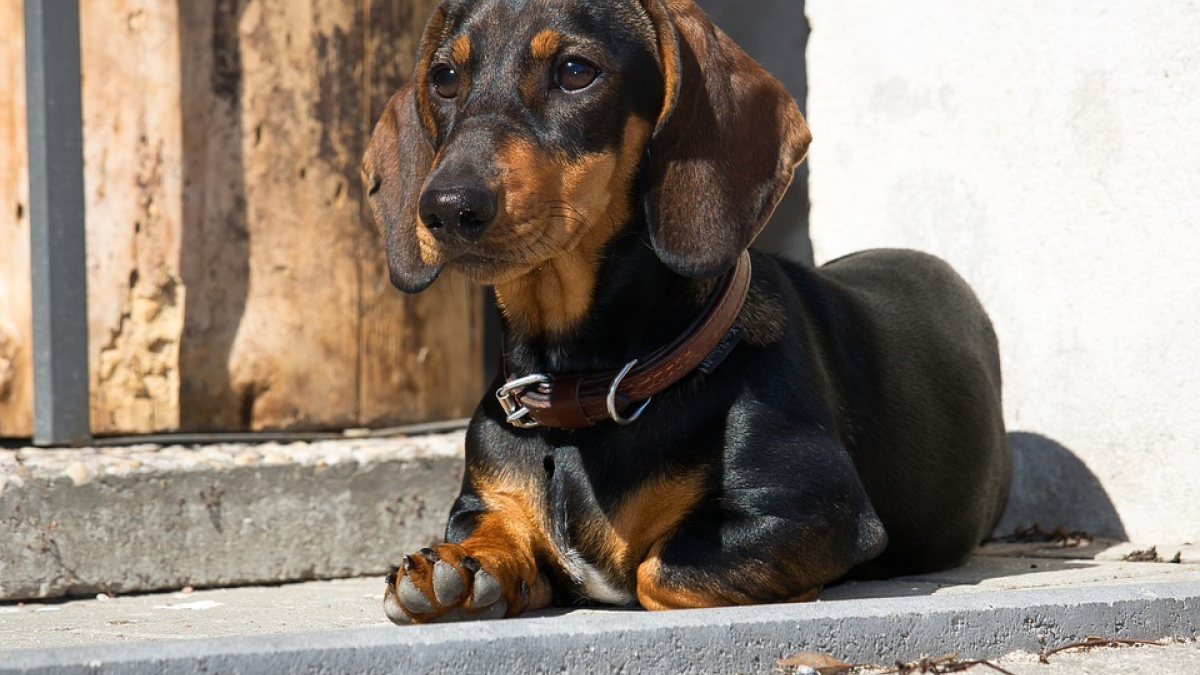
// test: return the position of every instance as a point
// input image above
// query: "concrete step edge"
(742, 640)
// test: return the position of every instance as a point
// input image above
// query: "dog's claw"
(429, 554)
(406, 564)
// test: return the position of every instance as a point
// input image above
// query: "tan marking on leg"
(509, 539)
(544, 45)
(509, 542)
(617, 544)
(649, 514)
(769, 586)
(654, 596)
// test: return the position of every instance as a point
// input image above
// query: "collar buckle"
(516, 413)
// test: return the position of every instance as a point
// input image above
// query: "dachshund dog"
(679, 423)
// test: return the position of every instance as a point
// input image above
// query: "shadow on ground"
(1052, 487)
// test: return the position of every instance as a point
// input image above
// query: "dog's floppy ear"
(398, 158)
(727, 143)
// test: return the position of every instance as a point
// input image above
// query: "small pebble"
(103, 597)
(79, 473)
(246, 459)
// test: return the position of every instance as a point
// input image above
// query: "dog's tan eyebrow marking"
(545, 44)
(460, 51)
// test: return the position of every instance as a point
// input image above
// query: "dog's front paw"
(444, 584)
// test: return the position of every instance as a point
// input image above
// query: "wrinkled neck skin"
(638, 305)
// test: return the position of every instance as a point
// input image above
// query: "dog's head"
(536, 130)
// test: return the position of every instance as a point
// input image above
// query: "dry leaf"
(823, 664)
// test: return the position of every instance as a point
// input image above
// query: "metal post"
(60, 356)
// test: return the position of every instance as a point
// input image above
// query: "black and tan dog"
(605, 164)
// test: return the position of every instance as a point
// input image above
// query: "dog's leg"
(780, 541)
(492, 573)
(663, 585)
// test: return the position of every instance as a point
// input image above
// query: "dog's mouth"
(490, 269)
(506, 254)
(487, 269)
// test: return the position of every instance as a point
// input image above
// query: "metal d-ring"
(612, 399)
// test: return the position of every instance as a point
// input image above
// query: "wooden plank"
(235, 280)
(133, 151)
(272, 303)
(16, 363)
(285, 279)
(421, 355)
(215, 270)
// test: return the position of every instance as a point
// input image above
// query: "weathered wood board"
(427, 361)
(235, 280)
(132, 158)
(16, 362)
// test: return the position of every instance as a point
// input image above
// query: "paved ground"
(1170, 659)
(992, 607)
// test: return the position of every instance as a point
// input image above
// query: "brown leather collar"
(581, 401)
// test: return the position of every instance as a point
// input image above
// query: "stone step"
(144, 518)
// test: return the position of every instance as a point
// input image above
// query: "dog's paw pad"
(448, 584)
(413, 598)
(393, 610)
(436, 586)
(487, 590)
(489, 613)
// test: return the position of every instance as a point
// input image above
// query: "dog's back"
(918, 375)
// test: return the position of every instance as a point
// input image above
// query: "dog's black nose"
(466, 209)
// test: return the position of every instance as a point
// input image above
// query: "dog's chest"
(593, 583)
(586, 545)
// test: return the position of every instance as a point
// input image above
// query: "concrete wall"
(1051, 152)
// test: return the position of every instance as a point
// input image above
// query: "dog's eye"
(445, 82)
(575, 74)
